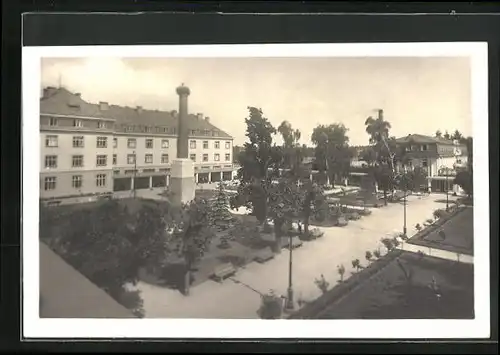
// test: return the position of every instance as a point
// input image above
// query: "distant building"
(439, 157)
(89, 149)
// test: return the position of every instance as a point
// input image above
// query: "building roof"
(381, 291)
(421, 139)
(60, 101)
(66, 293)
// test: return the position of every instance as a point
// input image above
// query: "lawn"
(389, 295)
(458, 234)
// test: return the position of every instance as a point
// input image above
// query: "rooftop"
(383, 292)
(60, 101)
(65, 293)
(421, 139)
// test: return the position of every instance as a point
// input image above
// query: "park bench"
(223, 271)
(295, 243)
(264, 255)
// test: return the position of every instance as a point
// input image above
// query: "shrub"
(429, 220)
(439, 213)
(355, 216)
(418, 227)
(368, 256)
(322, 284)
(365, 212)
(271, 306)
(376, 253)
(341, 271)
(267, 228)
(388, 243)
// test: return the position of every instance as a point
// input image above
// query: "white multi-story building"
(92, 149)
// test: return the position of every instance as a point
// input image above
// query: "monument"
(182, 185)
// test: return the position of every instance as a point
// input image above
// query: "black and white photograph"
(200, 190)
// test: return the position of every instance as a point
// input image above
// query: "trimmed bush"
(271, 306)
(365, 212)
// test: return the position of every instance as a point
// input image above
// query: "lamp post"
(135, 174)
(289, 304)
(446, 172)
(405, 186)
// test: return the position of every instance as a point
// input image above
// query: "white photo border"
(35, 327)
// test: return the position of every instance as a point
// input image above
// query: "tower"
(182, 183)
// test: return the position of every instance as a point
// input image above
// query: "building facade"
(439, 158)
(88, 150)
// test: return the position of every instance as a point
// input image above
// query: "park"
(265, 247)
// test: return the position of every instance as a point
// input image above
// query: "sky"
(418, 95)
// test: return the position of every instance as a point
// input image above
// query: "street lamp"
(289, 304)
(446, 172)
(405, 186)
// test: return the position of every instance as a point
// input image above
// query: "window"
(52, 121)
(424, 163)
(192, 157)
(100, 180)
(148, 129)
(130, 128)
(114, 159)
(216, 157)
(149, 143)
(205, 144)
(51, 141)
(101, 124)
(102, 142)
(148, 171)
(424, 147)
(51, 161)
(148, 158)
(131, 143)
(131, 159)
(76, 181)
(50, 183)
(165, 143)
(101, 160)
(77, 123)
(205, 157)
(77, 161)
(228, 157)
(217, 144)
(192, 144)
(115, 142)
(164, 158)
(228, 145)
(78, 142)
(116, 172)
(459, 161)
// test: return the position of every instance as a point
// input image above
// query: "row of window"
(54, 122)
(50, 182)
(102, 142)
(102, 159)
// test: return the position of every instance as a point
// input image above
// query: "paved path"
(338, 246)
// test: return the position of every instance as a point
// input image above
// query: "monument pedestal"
(182, 185)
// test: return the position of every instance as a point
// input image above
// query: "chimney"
(173, 113)
(49, 91)
(381, 114)
(199, 116)
(139, 109)
(103, 106)
(207, 119)
(183, 130)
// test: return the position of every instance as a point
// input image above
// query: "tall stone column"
(182, 184)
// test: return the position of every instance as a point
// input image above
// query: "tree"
(438, 134)
(107, 244)
(376, 253)
(192, 235)
(356, 264)
(464, 179)
(293, 152)
(457, 135)
(322, 284)
(384, 148)
(332, 152)
(447, 135)
(260, 161)
(341, 271)
(368, 256)
(221, 217)
(312, 201)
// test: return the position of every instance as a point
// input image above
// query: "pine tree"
(221, 216)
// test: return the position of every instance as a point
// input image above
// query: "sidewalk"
(228, 300)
